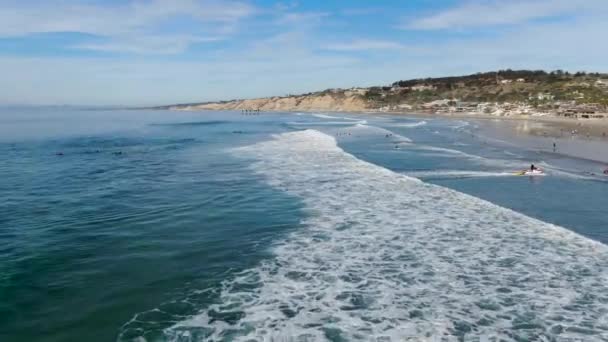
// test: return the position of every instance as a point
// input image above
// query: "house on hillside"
(543, 97)
(587, 111)
(355, 91)
(436, 104)
(602, 83)
(521, 80)
(506, 81)
(396, 89)
(578, 95)
(422, 87)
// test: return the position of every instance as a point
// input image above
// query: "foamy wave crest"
(443, 174)
(327, 123)
(386, 257)
(325, 116)
(364, 128)
(411, 125)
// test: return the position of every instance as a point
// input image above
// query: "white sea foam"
(325, 116)
(460, 125)
(326, 123)
(411, 125)
(386, 257)
(457, 174)
(365, 129)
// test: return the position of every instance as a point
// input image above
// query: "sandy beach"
(549, 126)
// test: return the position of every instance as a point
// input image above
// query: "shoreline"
(552, 126)
(579, 138)
(546, 126)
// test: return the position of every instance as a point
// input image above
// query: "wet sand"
(537, 125)
(549, 137)
(579, 138)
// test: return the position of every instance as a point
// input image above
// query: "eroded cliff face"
(313, 102)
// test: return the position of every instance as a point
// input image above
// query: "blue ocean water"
(156, 225)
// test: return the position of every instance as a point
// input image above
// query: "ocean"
(146, 225)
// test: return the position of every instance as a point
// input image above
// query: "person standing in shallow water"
(554, 147)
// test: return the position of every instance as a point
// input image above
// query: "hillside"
(505, 92)
(323, 101)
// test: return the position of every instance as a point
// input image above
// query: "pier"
(250, 111)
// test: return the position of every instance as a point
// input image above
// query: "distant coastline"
(557, 96)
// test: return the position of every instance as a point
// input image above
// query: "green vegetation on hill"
(522, 86)
(537, 88)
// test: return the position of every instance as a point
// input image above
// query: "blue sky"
(147, 52)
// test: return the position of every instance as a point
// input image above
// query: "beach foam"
(443, 174)
(326, 123)
(386, 257)
(325, 116)
(411, 125)
(362, 129)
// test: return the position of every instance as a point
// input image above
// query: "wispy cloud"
(276, 49)
(307, 18)
(124, 22)
(364, 45)
(152, 45)
(474, 14)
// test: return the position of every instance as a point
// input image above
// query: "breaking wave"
(326, 123)
(386, 257)
(444, 174)
(361, 129)
(325, 116)
(411, 125)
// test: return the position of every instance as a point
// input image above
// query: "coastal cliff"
(347, 102)
(500, 93)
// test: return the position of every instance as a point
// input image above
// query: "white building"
(543, 97)
(422, 87)
(602, 83)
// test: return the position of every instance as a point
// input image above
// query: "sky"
(154, 52)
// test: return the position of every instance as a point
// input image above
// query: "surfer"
(532, 168)
(606, 171)
(554, 147)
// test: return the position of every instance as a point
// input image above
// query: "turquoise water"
(155, 226)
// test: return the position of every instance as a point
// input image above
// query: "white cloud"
(280, 51)
(166, 44)
(478, 13)
(123, 22)
(302, 18)
(364, 45)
